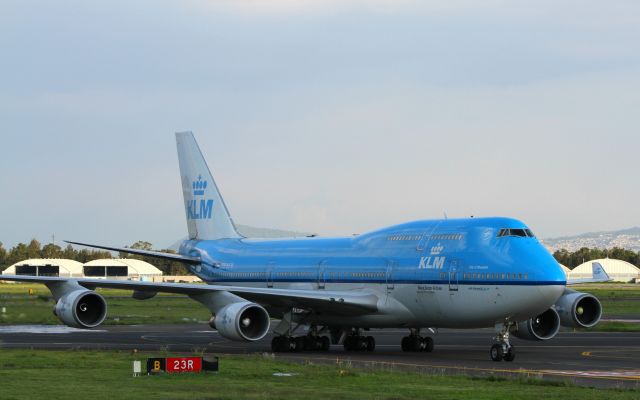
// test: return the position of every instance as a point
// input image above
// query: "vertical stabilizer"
(599, 273)
(207, 215)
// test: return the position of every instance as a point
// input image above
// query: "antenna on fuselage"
(445, 215)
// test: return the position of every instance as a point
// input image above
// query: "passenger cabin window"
(515, 232)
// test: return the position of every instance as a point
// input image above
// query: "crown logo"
(199, 186)
(435, 250)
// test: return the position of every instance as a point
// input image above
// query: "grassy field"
(617, 299)
(22, 308)
(29, 374)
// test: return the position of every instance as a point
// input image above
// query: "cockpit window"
(515, 232)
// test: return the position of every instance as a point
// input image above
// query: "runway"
(584, 358)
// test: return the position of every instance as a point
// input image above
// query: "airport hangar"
(618, 270)
(116, 268)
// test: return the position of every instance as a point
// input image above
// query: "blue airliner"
(422, 275)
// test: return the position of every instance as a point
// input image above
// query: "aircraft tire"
(428, 344)
(496, 352)
(404, 344)
(415, 343)
(280, 344)
(371, 343)
(511, 354)
(324, 343)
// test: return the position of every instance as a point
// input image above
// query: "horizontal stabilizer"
(148, 253)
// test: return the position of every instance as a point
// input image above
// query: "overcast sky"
(333, 117)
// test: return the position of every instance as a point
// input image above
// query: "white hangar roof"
(136, 267)
(66, 267)
(618, 270)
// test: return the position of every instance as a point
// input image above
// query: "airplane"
(420, 276)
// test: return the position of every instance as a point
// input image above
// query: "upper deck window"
(515, 232)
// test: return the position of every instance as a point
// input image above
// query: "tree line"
(35, 249)
(573, 259)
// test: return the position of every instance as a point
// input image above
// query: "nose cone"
(550, 274)
(554, 272)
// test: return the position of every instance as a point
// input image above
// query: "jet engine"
(242, 321)
(543, 327)
(81, 309)
(578, 310)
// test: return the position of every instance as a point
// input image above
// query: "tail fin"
(207, 215)
(599, 272)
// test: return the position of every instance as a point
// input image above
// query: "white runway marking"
(43, 329)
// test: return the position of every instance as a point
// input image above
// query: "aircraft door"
(392, 266)
(270, 272)
(322, 266)
(454, 274)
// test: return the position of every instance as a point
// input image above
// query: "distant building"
(46, 267)
(618, 270)
(121, 268)
(116, 268)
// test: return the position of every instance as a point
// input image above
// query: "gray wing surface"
(340, 302)
(150, 253)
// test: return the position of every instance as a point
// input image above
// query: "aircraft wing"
(341, 302)
(598, 275)
(149, 253)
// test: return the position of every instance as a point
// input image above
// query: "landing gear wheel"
(280, 344)
(371, 343)
(428, 344)
(405, 343)
(275, 344)
(324, 343)
(510, 355)
(415, 343)
(496, 352)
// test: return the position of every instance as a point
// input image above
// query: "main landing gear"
(284, 341)
(356, 342)
(280, 344)
(502, 350)
(414, 342)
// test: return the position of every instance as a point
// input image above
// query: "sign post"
(174, 365)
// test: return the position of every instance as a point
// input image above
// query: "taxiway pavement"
(585, 358)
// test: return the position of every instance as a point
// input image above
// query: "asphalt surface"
(584, 358)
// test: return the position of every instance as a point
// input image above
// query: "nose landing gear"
(502, 350)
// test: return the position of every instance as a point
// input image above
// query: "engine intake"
(578, 310)
(242, 321)
(543, 327)
(81, 309)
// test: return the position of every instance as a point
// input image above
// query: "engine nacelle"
(543, 327)
(81, 309)
(578, 310)
(242, 321)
